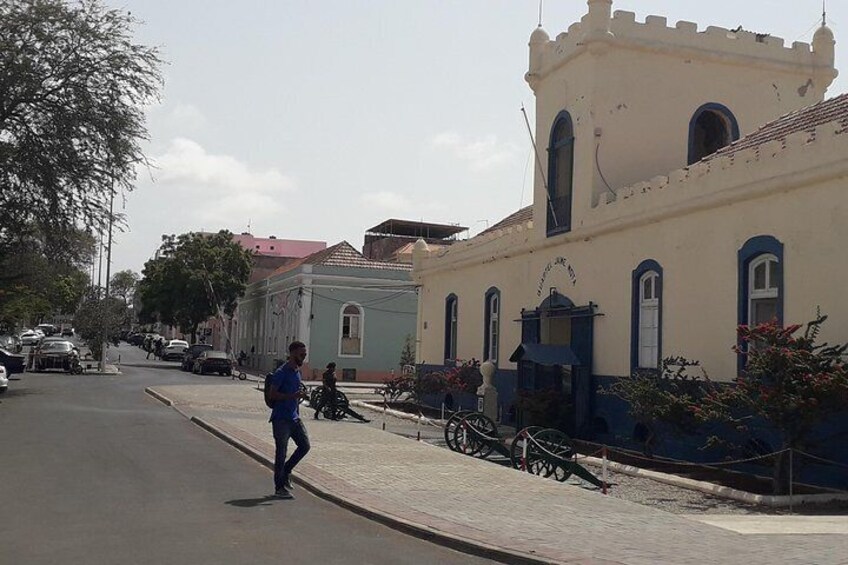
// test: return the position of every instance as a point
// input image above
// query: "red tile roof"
(343, 255)
(520, 217)
(804, 119)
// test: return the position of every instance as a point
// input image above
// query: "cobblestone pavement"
(492, 505)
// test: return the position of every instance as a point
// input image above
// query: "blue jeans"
(283, 430)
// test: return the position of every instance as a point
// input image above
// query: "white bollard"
(604, 470)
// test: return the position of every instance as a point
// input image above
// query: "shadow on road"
(252, 502)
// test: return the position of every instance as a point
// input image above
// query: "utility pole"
(108, 274)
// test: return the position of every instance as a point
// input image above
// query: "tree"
(73, 88)
(93, 316)
(790, 383)
(123, 285)
(407, 354)
(194, 275)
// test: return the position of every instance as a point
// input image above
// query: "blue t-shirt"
(287, 381)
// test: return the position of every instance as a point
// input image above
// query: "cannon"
(319, 401)
(546, 452)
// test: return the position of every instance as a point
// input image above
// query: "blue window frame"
(646, 316)
(712, 127)
(492, 329)
(451, 326)
(760, 276)
(560, 174)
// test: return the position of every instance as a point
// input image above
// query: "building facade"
(347, 309)
(689, 181)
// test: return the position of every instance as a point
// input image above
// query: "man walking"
(285, 419)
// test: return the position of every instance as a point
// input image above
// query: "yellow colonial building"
(688, 180)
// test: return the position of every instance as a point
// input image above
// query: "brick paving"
(489, 505)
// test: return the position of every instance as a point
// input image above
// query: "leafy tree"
(123, 285)
(73, 89)
(791, 383)
(407, 354)
(661, 400)
(194, 275)
(94, 316)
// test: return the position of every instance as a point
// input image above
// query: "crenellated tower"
(646, 98)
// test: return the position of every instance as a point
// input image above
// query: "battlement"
(654, 34)
(729, 171)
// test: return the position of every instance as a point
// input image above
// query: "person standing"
(329, 397)
(285, 392)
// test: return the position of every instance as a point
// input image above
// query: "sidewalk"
(482, 507)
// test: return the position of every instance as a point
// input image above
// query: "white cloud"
(482, 154)
(186, 116)
(386, 201)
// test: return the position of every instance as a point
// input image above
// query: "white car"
(174, 349)
(30, 338)
(4, 380)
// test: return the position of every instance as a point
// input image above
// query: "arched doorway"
(556, 355)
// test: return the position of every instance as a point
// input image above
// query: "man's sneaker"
(287, 484)
(283, 493)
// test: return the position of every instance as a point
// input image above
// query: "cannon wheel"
(450, 427)
(516, 450)
(472, 441)
(341, 408)
(552, 454)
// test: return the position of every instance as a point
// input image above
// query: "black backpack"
(268, 402)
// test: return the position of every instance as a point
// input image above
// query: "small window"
(492, 325)
(764, 291)
(451, 326)
(560, 174)
(350, 343)
(712, 127)
(649, 328)
(272, 248)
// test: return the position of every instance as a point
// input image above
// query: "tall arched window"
(712, 127)
(560, 174)
(492, 325)
(763, 289)
(646, 323)
(451, 325)
(350, 336)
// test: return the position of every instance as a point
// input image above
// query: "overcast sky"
(310, 119)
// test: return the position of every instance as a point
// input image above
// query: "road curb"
(159, 396)
(420, 531)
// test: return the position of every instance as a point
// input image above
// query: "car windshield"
(199, 347)
(57, 346)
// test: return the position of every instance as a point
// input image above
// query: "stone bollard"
(487, 394)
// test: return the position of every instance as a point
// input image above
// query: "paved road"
(93, 471)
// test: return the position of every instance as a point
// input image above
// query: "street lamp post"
(108, 274)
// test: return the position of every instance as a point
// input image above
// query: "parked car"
(14, 362)
(48, 329)
(10, 343)
(30, 337)
(54, 355)
(191, 354)
(213, 362)
(174, 350)
(4, 380)
(67, 331)
(136, 339)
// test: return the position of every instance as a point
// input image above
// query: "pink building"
(273, 247)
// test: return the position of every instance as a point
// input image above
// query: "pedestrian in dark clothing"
(328, 398)
(285, 392)
(242, 357)
(160, 343)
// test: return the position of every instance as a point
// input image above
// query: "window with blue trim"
(712, 127)
(560, 174)
(451, 326)
(492, 325)
(646, 316)
(760, 295)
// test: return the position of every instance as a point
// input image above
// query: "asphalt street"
(94, 471)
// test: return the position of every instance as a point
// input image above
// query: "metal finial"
(540, 12)
(824, 13)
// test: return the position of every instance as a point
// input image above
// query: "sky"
(316, 120)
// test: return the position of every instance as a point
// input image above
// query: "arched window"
(492, 325)
(451, 326)
(763, 289)
(760, 264)
(350, 336)
(646, 323)
(560, 174)
(712, 127)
